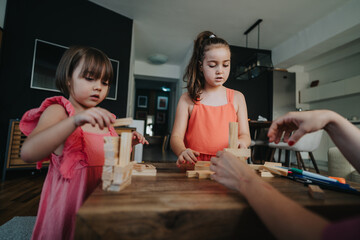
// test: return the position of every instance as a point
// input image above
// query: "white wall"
(2, 12)
(327, 69)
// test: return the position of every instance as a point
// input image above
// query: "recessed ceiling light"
(158, 58)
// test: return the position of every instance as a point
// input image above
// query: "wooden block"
(111, 162)
(202, 174)
(316, 192)
(122, 122)
(111, 140)
(139, 167)
(272, 164)
(233, 135)
(121, 174)
(202, 165)
(125, 148)
(118, 187)
(106, 184)
(241, 153)
(275, 170)
(107, 174)
(255, 166)
(111, 155)
(266, 174)
(191, 173)
(144, 170)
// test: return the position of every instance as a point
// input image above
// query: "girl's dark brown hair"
(96, 65)
(193, 76)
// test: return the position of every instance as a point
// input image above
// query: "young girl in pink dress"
(70, 133)
(201, 126)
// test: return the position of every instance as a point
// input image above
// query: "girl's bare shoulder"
(186, 100)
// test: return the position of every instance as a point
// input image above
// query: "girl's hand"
(138, 138)
(95, 115)
(241, 145)
(230, 171)
(187, 156)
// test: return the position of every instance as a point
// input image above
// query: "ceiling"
(170, 26)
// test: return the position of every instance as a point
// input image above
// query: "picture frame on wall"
(142, 102)
(162, 102)
(46, 58)
(160, 117)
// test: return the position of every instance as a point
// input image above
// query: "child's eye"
(226, 65)
(212, 66)
(105, 83)
(89, 78)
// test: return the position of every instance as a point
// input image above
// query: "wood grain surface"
(172, 206)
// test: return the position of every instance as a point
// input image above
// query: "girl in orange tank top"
(201, 126)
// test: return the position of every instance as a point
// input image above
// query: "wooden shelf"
(336, 89)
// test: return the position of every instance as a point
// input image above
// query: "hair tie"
(212, 36)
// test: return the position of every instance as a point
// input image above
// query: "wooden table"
(172, 206)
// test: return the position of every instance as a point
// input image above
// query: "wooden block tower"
(240, 153)
(117, 166)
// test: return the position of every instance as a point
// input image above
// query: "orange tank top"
(208, 126)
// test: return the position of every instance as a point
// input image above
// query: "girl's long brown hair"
(193, 76)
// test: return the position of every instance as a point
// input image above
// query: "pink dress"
(71, 176)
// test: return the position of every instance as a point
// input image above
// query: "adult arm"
(344, 134)
(283, 217)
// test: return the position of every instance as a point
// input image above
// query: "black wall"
(65, 23)
(258, 92)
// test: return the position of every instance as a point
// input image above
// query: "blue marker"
(313, 175)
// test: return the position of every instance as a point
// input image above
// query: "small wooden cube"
(316, 192)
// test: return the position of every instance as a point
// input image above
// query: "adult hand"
(95, 115)
(298, 123)
(230, 171)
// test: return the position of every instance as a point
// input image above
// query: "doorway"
(155, 105)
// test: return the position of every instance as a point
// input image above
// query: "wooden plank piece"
(122, 122)
(233, 135)
(125, 148)
(316, 192)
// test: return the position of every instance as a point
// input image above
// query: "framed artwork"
(142, 102)
(160, 117)
(46, 58)
(162, 103)
(142, 115)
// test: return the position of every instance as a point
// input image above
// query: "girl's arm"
(54, 127)
(178, 133)
(244, 132)
(283, 217)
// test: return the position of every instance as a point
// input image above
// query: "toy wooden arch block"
(240, 153)
(117, 166)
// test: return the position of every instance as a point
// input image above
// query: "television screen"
(45, 61)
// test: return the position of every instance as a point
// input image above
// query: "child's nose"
(97, 85)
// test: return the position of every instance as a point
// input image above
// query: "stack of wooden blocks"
(117, 166)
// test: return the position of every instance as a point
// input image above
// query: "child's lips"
(94, 97)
